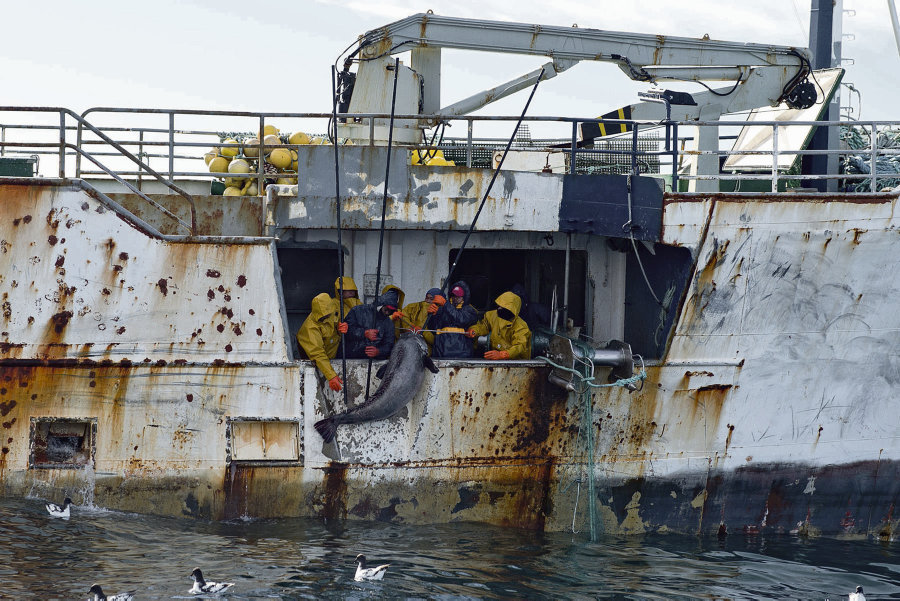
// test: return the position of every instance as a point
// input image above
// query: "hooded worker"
(451, 319)
(398, 316)
(510, 336)
(370, 330)
(415, 314)
(319, 337)
(351, 294)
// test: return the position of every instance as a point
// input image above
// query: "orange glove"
(439, 300)
(470, 333)
(415, 329)
(372, 334)
(371, 351)
(335, 383)
(494, 355)
(433, 308)
(397, 315)
(342, 327)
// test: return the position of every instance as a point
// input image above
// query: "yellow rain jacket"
(416, 314)
(513, 336)
(318, 336)
(400, 324)
(349, 303)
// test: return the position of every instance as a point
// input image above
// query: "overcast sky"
(276, 56)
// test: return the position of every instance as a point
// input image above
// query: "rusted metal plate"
(216, 215)
(82, 284)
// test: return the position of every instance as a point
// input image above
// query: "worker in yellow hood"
(415, 315)
(320, 335)
(400, 325)
(510, 336)
(351, 294)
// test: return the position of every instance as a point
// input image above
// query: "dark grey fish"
(401, 378)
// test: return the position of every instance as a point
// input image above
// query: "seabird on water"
(201, 586)
(364, 573)
(57, 511)
(858, 595)
(97, 594)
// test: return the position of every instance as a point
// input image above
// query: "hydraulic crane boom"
(760, 74)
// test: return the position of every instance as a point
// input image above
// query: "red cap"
(457, 291)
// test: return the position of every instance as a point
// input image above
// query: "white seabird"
(57, 511)
(364, 573)
(858, 595)
(97, 594)
(201, 586)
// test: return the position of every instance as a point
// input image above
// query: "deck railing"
(134, 146)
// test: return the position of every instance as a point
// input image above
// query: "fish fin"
(428, 363)
(327, 428)
(381, 371)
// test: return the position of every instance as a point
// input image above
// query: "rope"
(590, 380)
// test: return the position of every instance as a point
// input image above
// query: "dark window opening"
(489, 272)
(62, 443)
(647, 326)
(305, 272)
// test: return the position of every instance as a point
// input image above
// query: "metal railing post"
(775, 158)
(574, 146)
(371, 131)
(141, 154)
(634, 149)
(261, 157)
(674, 157)
(874, 159)
(172, 147)
(62, 144)
(2, 140)
(469, 144)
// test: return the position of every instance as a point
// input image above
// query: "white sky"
(276, 56)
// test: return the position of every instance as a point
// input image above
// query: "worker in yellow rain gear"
(510, 336)
(351, 294)
(415, 314)
(320, 336)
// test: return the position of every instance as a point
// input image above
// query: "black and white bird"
(364, 573)
(97, 594)
(201, 586)
(57, 511)
(858, 595)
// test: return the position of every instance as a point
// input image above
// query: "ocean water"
(50, 558)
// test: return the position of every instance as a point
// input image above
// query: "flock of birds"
(205, 587)
(201, 585)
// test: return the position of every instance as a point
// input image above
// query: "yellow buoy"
(209, 156)
(270, 141)
(229, 151)
(239, 166)
(252, 189)
(270, 130)
(232, 191)
(251, 147)
(286, 181)
(298, 137)
(218, 165)
(280, 157)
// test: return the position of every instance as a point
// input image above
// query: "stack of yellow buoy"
(237, 159)
(432, 158)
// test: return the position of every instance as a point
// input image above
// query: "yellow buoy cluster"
(237, 159)
(432, 158)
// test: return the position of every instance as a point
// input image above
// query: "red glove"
(397, 315)
(371, 351)
(470, 333)
(335, 383)
(372, 334)
(342, 327)
(494, 355)
(439, 300)
(433, 308)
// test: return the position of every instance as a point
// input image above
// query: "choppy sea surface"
(51, 558)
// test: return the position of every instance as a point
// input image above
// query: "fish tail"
(327, 428)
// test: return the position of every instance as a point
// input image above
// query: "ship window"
(489, 272)
(263, 440)
(62, 442)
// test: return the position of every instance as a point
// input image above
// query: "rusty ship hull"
(155, 374)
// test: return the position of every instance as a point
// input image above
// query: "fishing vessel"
(720, 356)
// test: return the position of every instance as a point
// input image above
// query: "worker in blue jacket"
(370, 330)
(451, 320)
